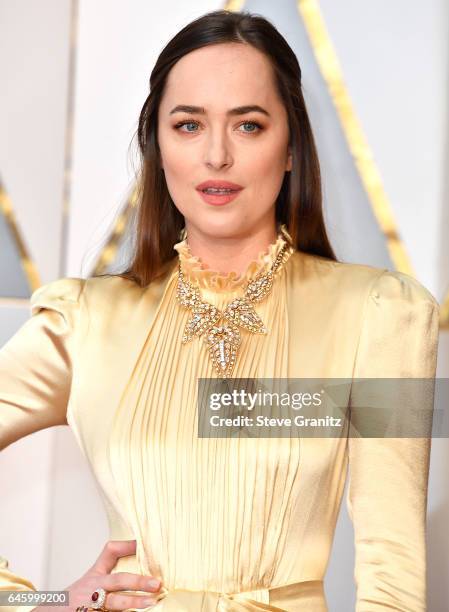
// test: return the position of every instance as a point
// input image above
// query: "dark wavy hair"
(299, 202)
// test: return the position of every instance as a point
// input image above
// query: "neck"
(229, 253)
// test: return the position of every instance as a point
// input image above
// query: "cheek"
(177, 167)
(174, 160)
(178, 176)
(268, 174)
(268, 158)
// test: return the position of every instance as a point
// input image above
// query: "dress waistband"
(305, 596)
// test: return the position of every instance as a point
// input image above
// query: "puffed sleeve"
(387, 491)
(35, 378)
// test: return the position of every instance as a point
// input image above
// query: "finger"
(126, 581)
(117, 601)
(111, 552)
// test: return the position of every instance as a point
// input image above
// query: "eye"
(253, 124)
(181, 123)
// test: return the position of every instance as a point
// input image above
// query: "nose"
(218, 153)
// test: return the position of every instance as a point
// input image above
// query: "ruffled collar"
(207, 278)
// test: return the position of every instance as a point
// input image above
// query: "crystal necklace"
(223, 341)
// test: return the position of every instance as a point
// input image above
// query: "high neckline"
(208, 278)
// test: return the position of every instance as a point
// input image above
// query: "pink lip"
(218, 185)
(219, 199)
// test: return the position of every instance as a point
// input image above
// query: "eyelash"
(186, 122)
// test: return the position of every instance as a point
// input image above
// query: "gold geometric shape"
(332, 74)
(331, 71)
(6, 208)
(28, 265)
(109, 251)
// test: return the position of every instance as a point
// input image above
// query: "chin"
(223, 228)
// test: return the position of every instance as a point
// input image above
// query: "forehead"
(221, 76)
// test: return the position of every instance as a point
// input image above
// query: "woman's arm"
(35, 378)
(387, 493)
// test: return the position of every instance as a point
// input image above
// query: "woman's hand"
(99, 576)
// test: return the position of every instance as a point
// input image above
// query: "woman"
(226, 524)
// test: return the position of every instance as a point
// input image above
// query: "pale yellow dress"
(233, 524)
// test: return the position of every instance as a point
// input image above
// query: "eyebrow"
(239, 110)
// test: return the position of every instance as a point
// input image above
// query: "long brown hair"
(299, 202)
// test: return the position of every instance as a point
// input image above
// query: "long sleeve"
(35, 378)
(387, 492)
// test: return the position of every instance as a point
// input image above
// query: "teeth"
(212, 190)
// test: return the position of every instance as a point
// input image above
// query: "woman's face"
(215, 142)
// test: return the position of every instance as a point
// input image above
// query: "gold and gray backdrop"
(74, 74)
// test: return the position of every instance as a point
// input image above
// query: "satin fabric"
(224, 521)
(305, 595)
